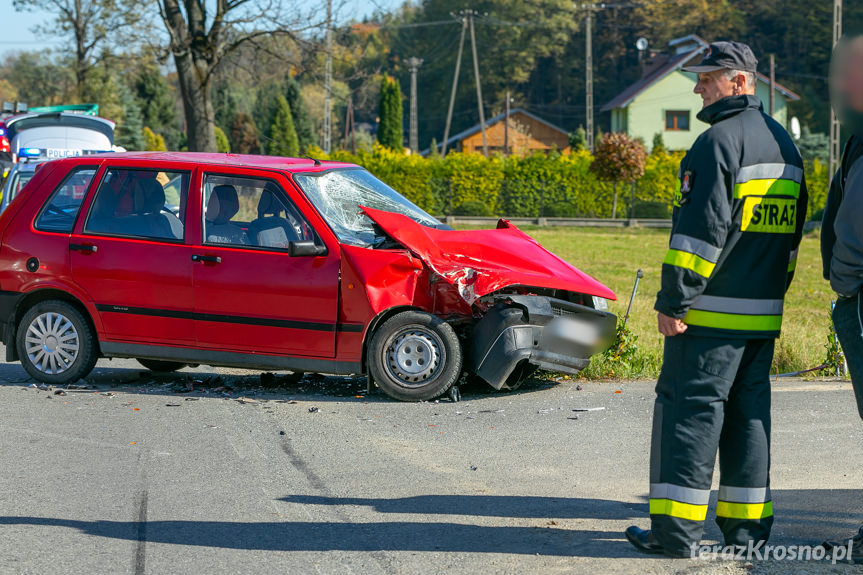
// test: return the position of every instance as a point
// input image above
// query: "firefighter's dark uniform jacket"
(737, 224)
(738, 220)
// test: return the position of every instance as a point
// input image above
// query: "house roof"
(674, 63)
(491, 121)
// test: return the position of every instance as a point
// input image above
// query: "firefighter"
(737, 222)
(842, 227)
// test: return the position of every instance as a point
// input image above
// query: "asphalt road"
(133, 477)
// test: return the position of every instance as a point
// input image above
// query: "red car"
(276, 263)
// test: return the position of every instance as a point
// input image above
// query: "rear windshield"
(338, 195)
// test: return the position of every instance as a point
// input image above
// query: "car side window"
(140, 203)
(61, 209)
(242, 211)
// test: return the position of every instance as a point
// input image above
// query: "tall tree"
(155, 99)
(390, 126)
(130, 125)
(244, 134)
(87, 23)
(302, 120)
(283, 136)
(199, 41)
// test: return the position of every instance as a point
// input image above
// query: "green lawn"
(613, 255)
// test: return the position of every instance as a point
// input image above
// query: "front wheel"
(414, 356)
(55, 343)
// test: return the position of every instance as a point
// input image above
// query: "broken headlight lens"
(600, 303)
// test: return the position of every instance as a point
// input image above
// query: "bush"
(222, 143)
(473, 208)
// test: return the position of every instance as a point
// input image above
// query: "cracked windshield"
(339, 194)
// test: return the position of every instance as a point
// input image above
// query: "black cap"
(726, 56)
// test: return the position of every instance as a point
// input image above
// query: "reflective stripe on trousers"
(744, 502)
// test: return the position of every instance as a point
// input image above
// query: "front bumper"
(542, 331)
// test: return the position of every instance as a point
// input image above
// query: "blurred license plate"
(61, 153)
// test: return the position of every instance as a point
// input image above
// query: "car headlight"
(600, 303)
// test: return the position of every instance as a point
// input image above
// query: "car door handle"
(83, 248)
(206, 259)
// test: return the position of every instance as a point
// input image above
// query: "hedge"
(551, 185)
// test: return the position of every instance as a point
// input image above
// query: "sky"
(17, 31)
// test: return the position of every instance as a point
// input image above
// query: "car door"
(130, 255)
(251, 294)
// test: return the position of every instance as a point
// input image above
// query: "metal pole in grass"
(638, 275)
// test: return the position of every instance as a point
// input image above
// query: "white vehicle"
(19, 175)
(58, 135)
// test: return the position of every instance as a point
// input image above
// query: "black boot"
(643, 540)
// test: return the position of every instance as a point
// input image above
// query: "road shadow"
(805, 517)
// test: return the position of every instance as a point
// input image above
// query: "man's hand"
(670, 326)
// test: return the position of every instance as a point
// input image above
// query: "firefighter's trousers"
(712, 393)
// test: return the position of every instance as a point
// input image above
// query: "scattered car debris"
(282, 432)
(574, 417)
(473, 467)
(492, 410)
(313, 410)
(578, 388)
(172, 405)
(589, 409)
(192, 398)
(59, 392)
(245, 400)
(109, 394)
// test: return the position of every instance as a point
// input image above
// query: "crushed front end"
(520, 332)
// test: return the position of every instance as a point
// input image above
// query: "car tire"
(414, 356)
(160, 366)
(55, 343)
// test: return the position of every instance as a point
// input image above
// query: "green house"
(662, 101)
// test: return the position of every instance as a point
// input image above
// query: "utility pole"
(454, 84)
(506, 128)
(328, 81)
(413, 138)
(834, 121)
(350, 127)
(588, 71)
(471, 16)
(772, 84)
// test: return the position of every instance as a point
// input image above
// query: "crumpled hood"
(480, 262)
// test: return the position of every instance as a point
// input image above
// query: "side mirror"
(305, 249)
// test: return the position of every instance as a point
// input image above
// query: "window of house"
(140, 203)
(677, 120)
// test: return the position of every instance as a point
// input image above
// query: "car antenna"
(317, 162)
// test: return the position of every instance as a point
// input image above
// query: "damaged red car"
(273, 263)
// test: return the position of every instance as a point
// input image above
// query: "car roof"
(220, 159)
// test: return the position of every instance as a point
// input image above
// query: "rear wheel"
(415, 356)
(160, 366)
(55, 343)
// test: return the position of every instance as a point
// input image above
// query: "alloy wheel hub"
(52, 343)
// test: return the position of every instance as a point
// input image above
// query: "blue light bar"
(2, 131)
(30, 152)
